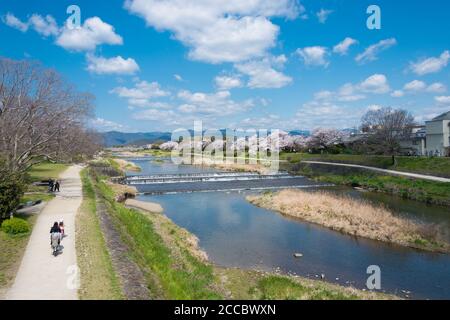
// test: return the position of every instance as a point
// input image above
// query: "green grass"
(37, 196)
(432, 166)
(98, 279)
(373, 161)
(155, 259)
(156, 153)
(420, 190)
(257, 285)
(281, 288)
(12, 249)
(46, 170)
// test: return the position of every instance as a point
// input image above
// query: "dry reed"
(350, 216)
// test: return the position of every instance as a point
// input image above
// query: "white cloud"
(262, 73)
(376, 83)
(436, 87)
(323, 15)
(343, 47)
(227, 82)
(154, 115)
(218, 31)
(347, 93)
(106, 125)
(443, 99)
(397, 94)
(431, 65)
(45, 26)
(326, 114)
(314, 56)
(141, 94)
(374, 107)
(415, 86)
(116, 65)
(93, 33)
(218, 103)
(371, 53)
(14, 22)
(178, 77)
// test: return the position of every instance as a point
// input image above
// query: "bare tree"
(385, 128)
(41, 116)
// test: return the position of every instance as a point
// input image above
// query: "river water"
(235, 233)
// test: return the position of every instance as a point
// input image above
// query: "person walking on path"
(57, 185)
(51, 185)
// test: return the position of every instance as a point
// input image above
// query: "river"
(235, 233)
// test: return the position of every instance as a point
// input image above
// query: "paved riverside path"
(392, 172)
(42, 276)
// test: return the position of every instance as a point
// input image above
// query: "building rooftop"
(444, 116)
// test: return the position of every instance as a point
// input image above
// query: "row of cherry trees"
(381, 132)
(319, 139)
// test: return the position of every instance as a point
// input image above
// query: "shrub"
(15, 226)
(12, 187)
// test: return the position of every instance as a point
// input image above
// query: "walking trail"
(392, 172)
(42, 276)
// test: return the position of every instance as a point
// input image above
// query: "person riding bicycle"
(61, 228)
(55, 229)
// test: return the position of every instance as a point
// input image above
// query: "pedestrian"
(51, 185)
(57, 185)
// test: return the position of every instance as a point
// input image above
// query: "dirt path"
(42, 276)
(131, 277)
(391, 172)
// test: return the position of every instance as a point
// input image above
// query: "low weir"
(216, 181)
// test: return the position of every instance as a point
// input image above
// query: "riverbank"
(435, 166)
(231, 166)
(123, 165)
(175, 267)
(352, 217)
(415, 189)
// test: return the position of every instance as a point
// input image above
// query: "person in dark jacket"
(55, 229)
(51, 185)
(57, 185)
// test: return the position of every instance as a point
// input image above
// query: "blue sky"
(160, 65)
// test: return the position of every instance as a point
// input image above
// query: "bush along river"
(234, 233)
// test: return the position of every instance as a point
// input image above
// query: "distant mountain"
(115, 138)
(305, 133)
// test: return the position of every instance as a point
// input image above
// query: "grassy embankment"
(155, 153)
(415, 189)
(175, 268)
(353, 217)
(429, 166)
(123, 165)
(13, 246)
(97, 277)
